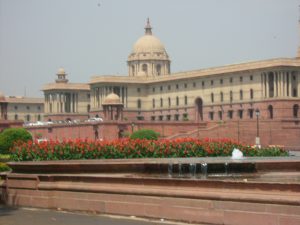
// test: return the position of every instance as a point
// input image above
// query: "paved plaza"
(31, 216)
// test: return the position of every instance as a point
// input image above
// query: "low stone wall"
(144, 188)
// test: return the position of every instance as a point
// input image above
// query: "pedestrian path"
(29, 216)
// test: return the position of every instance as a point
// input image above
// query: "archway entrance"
(199, 109)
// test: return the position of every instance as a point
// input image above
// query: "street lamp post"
(132, 127)
(257, 139)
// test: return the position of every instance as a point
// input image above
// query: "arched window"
(169, 101)
(177, 101)
(161, 102)
(231, 96)
(185, 100)
(270, 109)
(241, 94)
(221, 96)
(153, 103)
(139, 103)
(251, 93)
(212, 97)
(295, 110)
(158, 69)
(145, 68)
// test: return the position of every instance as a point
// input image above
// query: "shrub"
(145, 134)
(4, 167)
(4, 157)
(11, 135)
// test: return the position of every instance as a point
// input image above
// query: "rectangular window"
(168, 117)
(230, 114)
(152, 118)
(250, 113)
(176, 117)
(153, 89)
(251, 77)
(16, 107)
(138, 90)
(140, 118)
(185, 100)
(240, 113)
(231, 80)
(241, 79)
(161, 88)
(203, 83)
(169, 87)
(221, 81)
(211, 115)
(194, 84)
(185, 85)
(220, 115)
(177, 86)
(160, 118)
(211, 82)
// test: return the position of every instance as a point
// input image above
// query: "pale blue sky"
(39, 36)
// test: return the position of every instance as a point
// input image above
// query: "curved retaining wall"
(268, 194)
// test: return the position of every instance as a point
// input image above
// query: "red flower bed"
(128, 148)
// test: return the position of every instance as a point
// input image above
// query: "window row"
(27, 107)
(241, 95)
(27, 118)
(250, 113)
(194, 84)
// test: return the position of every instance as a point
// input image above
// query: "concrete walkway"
(24, 216)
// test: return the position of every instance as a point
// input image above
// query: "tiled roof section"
(233, 68)
(24, 100)
(66, 86)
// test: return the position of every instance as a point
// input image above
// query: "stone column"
(290, 84)
(298, 84)
(267, 86)
(276, 84)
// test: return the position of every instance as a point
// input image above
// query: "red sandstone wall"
(272, 132)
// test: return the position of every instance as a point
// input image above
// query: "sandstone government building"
(226, 101)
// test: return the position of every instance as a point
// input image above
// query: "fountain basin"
(266, 190)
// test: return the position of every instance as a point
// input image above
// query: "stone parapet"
(128, 187)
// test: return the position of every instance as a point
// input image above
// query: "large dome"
(149, 56)
(148, 44)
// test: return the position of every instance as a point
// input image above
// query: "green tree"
(9, 136)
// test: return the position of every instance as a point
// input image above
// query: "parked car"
(96, 119)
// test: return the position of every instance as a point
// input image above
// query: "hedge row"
(134, 148)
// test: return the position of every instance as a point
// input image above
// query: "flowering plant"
(133, 148)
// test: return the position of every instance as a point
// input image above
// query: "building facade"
(151, 92)
(66, 101)
(14, 108)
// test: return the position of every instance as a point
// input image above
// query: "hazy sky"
(95, 37)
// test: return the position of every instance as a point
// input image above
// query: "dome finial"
(148, 28)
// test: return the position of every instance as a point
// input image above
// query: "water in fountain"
(170, 170)
(193, 169)
(226, 168)
(180, 172)
(203, 170)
